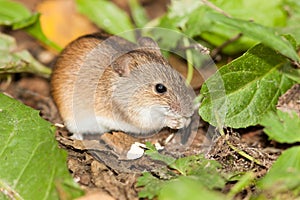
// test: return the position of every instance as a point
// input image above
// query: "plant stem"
(189, 59)
(211, 5)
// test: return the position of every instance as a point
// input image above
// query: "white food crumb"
(136, 151)
(158, 146)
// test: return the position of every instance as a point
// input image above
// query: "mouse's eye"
(160, 88)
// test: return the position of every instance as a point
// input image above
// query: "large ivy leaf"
(243, 91)
(32, 166)
(282, 126)
(107, 16)
(284, 174)
(16, 62)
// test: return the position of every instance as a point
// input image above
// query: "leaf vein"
(27, 164)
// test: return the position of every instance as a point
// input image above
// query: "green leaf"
(19, 17)
(156, 187)
(178, 14)
(35, 30)
(184, 165)
(243, 91)
(284, 174)
(267, 13)
(245, 181)
(194, 18)
(291, 40)
(196, 168)
(32, 165)
(187, 188)
(260, 33)
(107, 16)
(155, 155)
(198, 18)
(203, 170)
(152, 185)
(292, 25)
(12, 12)
(282, 126)
(138, 13)
(26, 21)
(175, 21)
(16, 62)
(292, 73)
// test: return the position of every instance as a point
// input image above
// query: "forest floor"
(100, 164)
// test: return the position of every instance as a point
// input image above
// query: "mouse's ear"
(121, 65)
(148, 44)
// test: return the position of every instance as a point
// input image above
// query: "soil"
(100, 163)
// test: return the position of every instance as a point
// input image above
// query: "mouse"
(102, 83)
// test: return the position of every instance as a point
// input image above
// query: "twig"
(215, 52)
(211, 5)
(198, 47)
(297, 64)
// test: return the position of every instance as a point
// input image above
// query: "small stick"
(215, 52)
(198, 47)
(211, 5)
